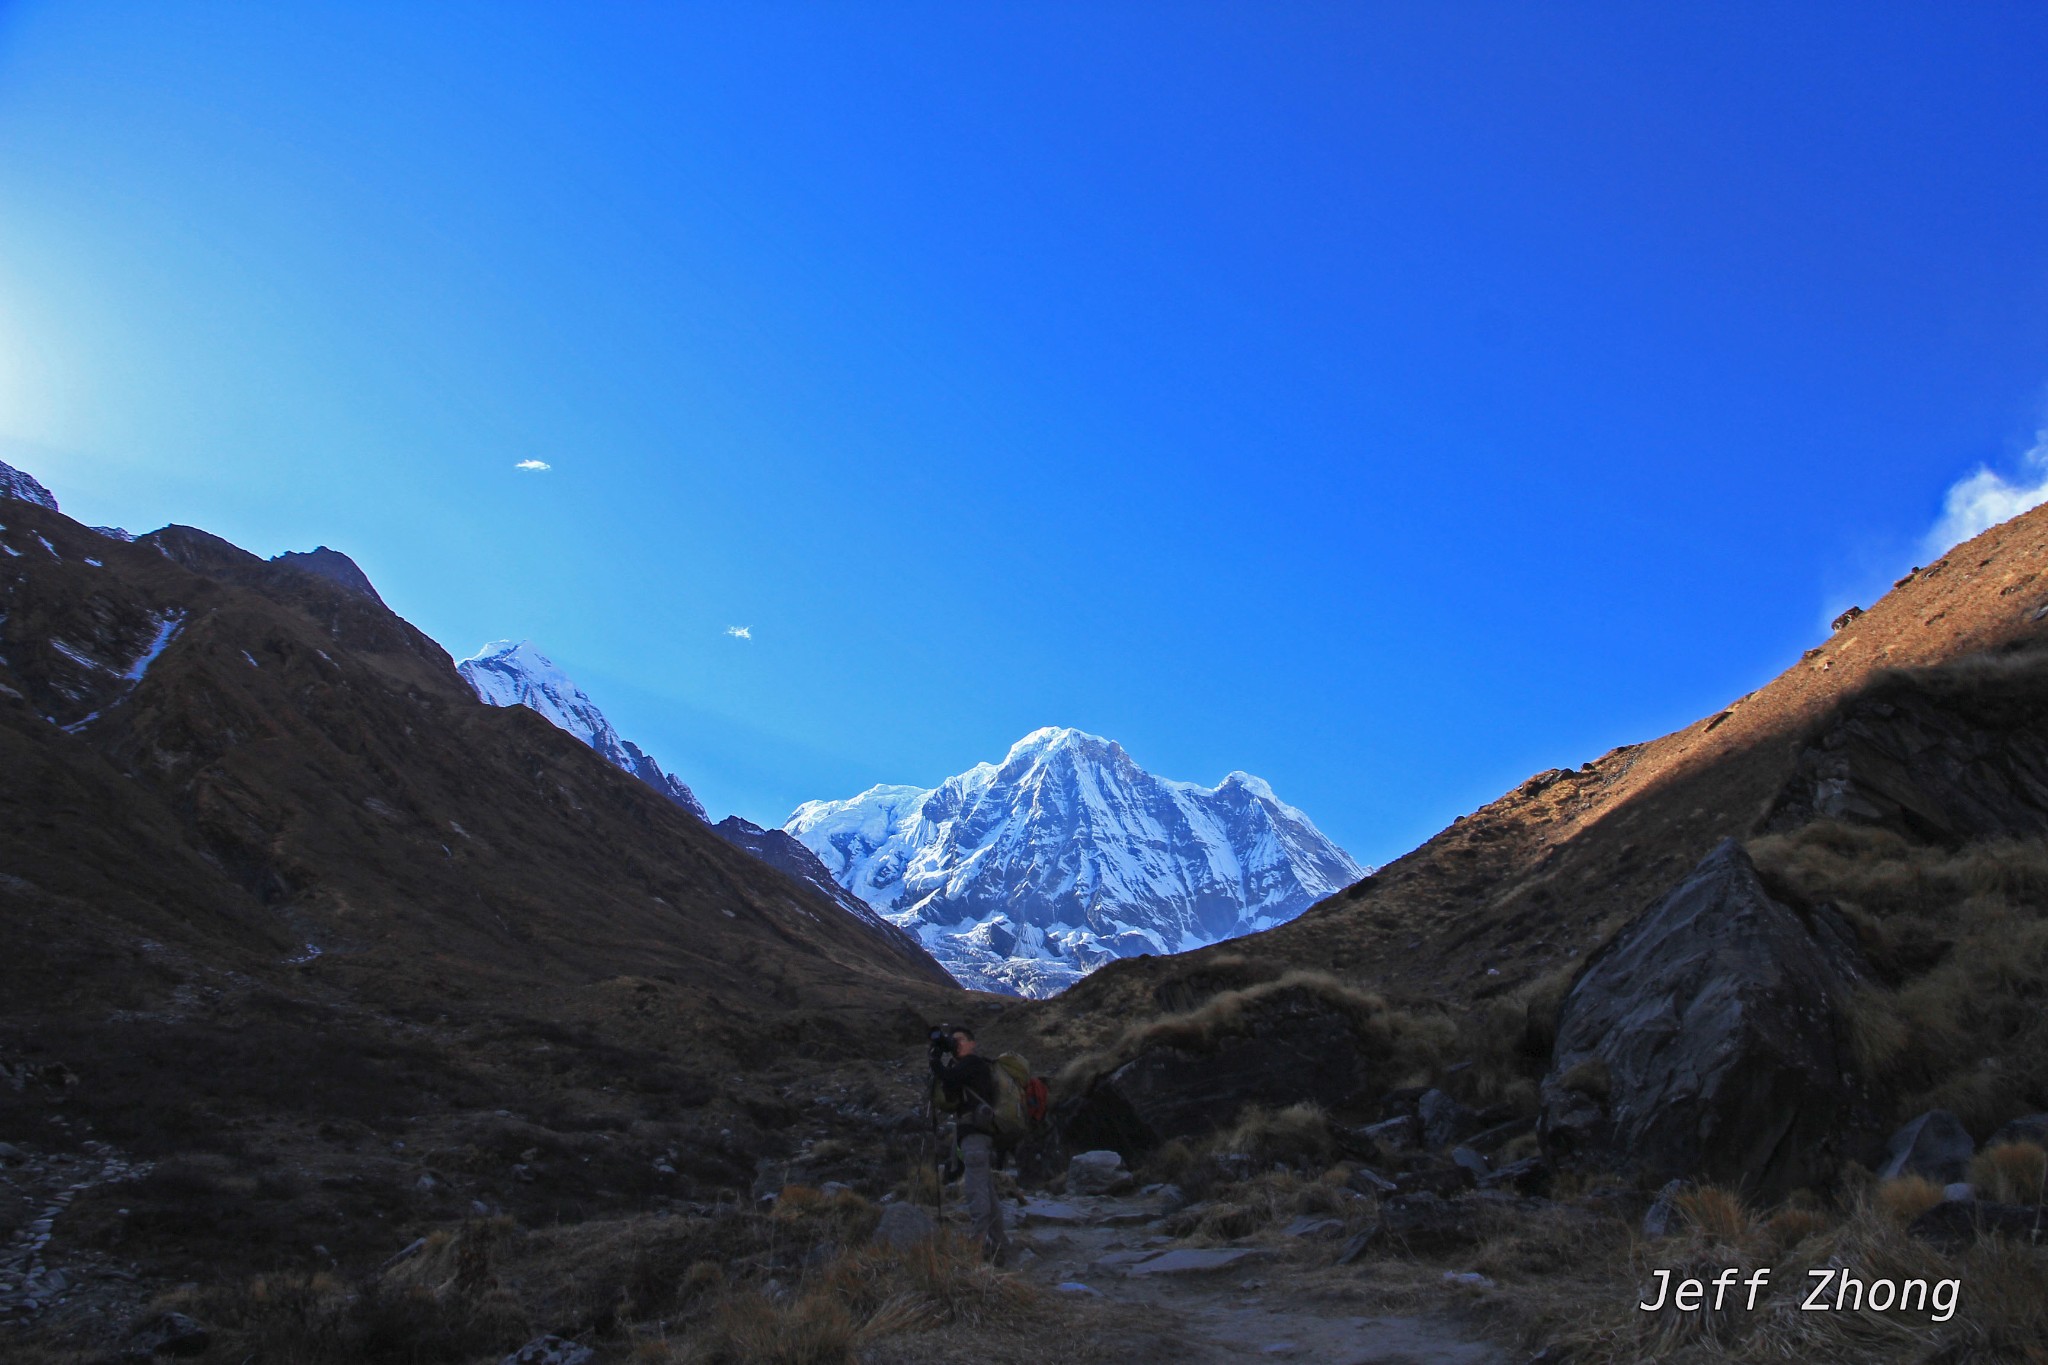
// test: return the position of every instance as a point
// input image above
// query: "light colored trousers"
(977, 1153)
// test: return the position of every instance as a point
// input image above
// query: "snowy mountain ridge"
(514, 673)
(1022, 876)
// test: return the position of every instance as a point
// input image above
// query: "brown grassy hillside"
(343, 950)
(1524, 887)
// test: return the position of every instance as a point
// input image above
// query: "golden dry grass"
(1907, 1197)
(859, 1298)
(2011, 1173)
(2000, 1305)
(1960, 938)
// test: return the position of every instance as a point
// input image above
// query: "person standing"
(965, 1084)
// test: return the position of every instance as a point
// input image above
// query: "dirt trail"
(1270, 1299)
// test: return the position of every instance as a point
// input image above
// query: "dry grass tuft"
(1409, 1045)
(2012, 1173)
(1717, 1214)
(1906, 1198)
(1298, 1135)
(1960, 938)
(862, 1297)
(1589, 1077)
(2001, 1299)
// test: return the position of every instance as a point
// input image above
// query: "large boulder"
(904, 1226)
(1272, 1047)
(1100, 1172)
(1703, 1040)
(1935, 1145)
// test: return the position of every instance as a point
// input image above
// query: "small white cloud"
(533, 466)
(1986, 498)
(740, 632)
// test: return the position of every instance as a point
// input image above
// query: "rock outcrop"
(1702, 1041)
(1941, 756)
(1935, 1146)
(1278, 1047)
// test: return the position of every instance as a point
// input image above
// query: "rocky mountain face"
(514, 673)
(1022, 876)
(279, 894)
(24, 487)
(233, 785)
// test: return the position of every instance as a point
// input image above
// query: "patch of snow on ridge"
(166, 631)
(1023, 876)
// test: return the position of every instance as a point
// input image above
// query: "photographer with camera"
(966, 1086)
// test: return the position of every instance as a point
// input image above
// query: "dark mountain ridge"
(273, 881)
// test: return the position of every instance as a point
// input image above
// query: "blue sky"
(1392, 401)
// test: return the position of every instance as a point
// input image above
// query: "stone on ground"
(1194, 1261)
(904, 1226)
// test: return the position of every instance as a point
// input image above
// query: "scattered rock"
(1701, 1040)
(11, 1155)
(1052, 1211)
(1076, 1287)
(1098, 1172)
(1662, 1217)
(168, 1334)
(1368, 1181)
(1425, 1223)
(1531, 1176)
(904, 1226)
(1402, 1133)
(1468, 1279)
(1958, 1192)
(1194, 1260)
(1310, 1226)
(1490, 1140)
(1955, 1225)
(1935, 1145)
(1443, 1119)
(550, 1350)
(2027, 1128)
(1437, 1180)
(406, 1253)
(1478, 1165)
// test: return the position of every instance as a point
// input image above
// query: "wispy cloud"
(1985, 498)
(533, 466)
(740, 632)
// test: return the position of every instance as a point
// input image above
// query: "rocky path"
(1262, 1300)
(40, 1190)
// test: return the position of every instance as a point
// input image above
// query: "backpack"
(1026, 1102)
(1020, 1104)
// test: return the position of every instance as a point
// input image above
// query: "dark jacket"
(966, 1084)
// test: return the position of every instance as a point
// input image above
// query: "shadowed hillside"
(281, 901)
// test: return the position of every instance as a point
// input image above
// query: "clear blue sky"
(1391, 401)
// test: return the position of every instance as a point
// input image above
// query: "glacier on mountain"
(514, 673)
(1023, 876)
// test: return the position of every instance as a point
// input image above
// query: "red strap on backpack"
(1037, 1100)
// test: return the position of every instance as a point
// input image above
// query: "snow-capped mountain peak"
(1024, 875)
(516, 673)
